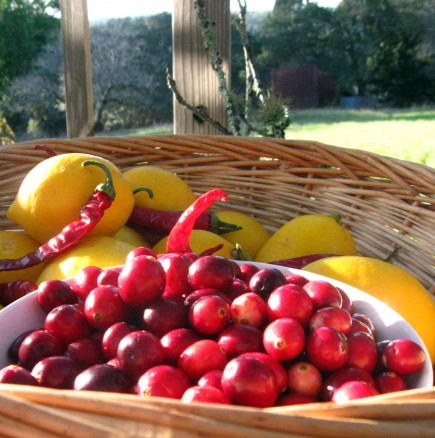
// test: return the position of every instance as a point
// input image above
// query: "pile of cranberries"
(207, 329)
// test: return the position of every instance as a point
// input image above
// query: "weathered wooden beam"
(192, 71)
(77, 68)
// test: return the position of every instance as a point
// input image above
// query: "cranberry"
(404, 357)
(296, 279)
(139, 351)
(85, 352)
(327, 348)
(249, 382)
(359, 326)
(238, 287)
(162, 316)
(389, 381)
(249, 308)
(351, 390)
(212, 378)
(67, 322)
(323, 294)
(362, 351)
(141, 281)
(200, 357)
(15, 346)
(86, 280)
(275, 365)
(53, 293)
(112, 336)
(366, 320)
(199, 293)
(211, 271)
(102, 377)
(264, 281)
(104, 306)
(284, 339)
(290, 301)
(109, 276)
(163, 381)
(345, 374)
(176, 341)
(346, 301)
(56, 372)
(37, 345)
(17, 375)
(247, 270)
(205, 394)
(304, 378)
(240, 338)
(209, 314)
(334, 317)
(176, 267)
(140, 251)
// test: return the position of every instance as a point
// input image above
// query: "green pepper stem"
(108, 186)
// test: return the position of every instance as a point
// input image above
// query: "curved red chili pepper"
(90, 215)
(178, 239)
(162, 221)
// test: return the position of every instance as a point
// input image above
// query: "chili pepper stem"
(108, 186)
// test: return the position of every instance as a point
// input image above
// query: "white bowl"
(25, 314)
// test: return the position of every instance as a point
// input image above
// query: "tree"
(129, 58)
(381, 52)
(26, 26)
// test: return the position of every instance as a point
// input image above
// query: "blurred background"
(352, 73)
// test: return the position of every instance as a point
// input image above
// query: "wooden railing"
(192, 71)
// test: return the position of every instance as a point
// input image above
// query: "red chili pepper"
(178, 239)
(90, 215)
(10, 292)
(162, 221)
(300, 262)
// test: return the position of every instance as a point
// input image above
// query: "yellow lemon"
(170, 192)
(101, 251)
(305, 235)
(14, 245)
(389, 283)
(252, 237)
(201, 240)
(132, 236)
(55, 190)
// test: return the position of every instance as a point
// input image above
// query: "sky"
(104, 9)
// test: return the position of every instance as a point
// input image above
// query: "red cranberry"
(240, 338)
(211, 271)
(102, 377)
(334, 317)
(249, 382)
(327, 348)
(56, 372)
(53, 293)
(304, 378)
(389, 381)
(404, 357)
(163, 381)
(290, 301)
(17, 375)
(212, 378)
(162, 316)
(362, 351)
(210, 314)
(249, 308)
(176, 341)
(284, 339)
(200, 357)
(323, 294)
(352, 390)
(205, 394)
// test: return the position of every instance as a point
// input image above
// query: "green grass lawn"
(405, 134)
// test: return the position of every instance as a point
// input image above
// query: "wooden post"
(77, 67)
(196, 80)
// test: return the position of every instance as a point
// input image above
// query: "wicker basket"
(387, 204)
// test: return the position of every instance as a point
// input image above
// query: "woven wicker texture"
(387, 204)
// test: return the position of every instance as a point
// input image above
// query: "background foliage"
(379, 48)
